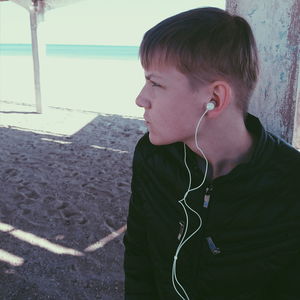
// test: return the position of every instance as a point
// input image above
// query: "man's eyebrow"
(149, 76)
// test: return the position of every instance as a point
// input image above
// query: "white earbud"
(211, 105)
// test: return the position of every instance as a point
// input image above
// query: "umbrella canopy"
(45, 4)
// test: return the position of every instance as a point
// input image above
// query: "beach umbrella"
(37, 9)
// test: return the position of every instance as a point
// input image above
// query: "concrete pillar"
(296, 139)
(276, 26)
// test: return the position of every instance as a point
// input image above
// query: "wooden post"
(36, 61)
(38, 49)
(276, 26)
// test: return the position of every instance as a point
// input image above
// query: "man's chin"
(158, 141)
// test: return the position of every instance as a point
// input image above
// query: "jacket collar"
(264, 141)
(264, 146)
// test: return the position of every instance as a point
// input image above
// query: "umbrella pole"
(36, 61)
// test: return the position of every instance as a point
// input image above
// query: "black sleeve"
(139, 282)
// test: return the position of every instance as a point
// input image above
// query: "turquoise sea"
(88, 51)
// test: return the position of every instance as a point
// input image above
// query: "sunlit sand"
(98, 85)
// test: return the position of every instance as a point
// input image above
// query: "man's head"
(206, 45)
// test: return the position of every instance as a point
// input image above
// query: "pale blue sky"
(112, 22)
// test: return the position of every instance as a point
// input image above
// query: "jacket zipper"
(208, 191)
(213, 248)
(181, 228)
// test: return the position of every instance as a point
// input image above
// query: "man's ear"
(221, 94)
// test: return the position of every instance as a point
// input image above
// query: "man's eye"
(154, 84)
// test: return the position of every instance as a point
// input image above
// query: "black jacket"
(249, 244)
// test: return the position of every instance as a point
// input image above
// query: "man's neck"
(227, 149)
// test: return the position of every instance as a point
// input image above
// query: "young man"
(215, 206)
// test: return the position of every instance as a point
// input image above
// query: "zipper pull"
(207, 196)
(213, 248)
(181, 228)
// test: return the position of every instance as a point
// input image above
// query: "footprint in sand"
(29, 193)
(69, 213)
(24, 157)
(11, 175)
(49, 200)
(18, 197)
(33, 195)
(11, 172)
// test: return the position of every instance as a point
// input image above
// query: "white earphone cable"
(183, 203)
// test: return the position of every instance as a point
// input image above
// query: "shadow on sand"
(63, 207)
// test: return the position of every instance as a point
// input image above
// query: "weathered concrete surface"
(296, 139)
(276, 26)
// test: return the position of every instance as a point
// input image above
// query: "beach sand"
(65, 186)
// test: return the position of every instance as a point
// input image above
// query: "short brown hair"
(206, 44)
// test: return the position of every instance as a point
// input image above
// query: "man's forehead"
(160, 70)
(165, 72)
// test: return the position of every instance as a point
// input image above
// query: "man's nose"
(142, 100)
